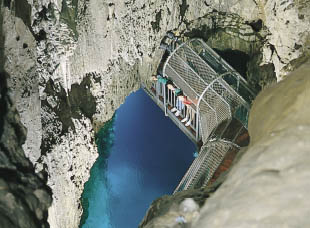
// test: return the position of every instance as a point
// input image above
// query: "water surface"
(143, 155)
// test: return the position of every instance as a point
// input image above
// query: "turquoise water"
(142, 156)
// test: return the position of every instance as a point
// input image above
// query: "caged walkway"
(221, 100)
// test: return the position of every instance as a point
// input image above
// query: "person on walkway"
(161, 81)
(159, 78)
(189, 112)
(179, 104)
(170, 93)
(173, 92)
(176, 99)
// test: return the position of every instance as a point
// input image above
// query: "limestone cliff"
(72, 63)
(24, 195)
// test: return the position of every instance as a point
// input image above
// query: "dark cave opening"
(245, 57)
(248, 66)
(256, 25)
(237, 59)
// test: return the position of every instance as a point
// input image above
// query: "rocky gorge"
(67, 65)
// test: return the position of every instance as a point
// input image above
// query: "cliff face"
(24, 195)
(72, 63)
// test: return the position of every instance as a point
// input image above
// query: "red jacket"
(186, 101)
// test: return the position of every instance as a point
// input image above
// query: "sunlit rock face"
(288, 38)
(72, 63)
(24, 195)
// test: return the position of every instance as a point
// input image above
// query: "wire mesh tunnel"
(204, 166)
(221, 100)
(203, 75)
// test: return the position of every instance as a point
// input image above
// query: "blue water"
(142, 156)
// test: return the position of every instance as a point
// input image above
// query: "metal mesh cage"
(204, 166)
(202, 74)
(219, 111)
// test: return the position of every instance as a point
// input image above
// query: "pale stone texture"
(106, 49)
(24, 195)
(71, 169)
(19, 48)
(288, 24)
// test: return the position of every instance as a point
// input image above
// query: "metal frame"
(200, 66)
(201, 72)
(200, 164)
(233, 95)
(202, 95)
(222, 61)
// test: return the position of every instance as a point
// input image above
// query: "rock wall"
(24, 195)
(282, 25)
(288, 39)
(72, 63)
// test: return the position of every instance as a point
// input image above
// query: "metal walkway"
(205, 165)
(221, 102)
(202, 74)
